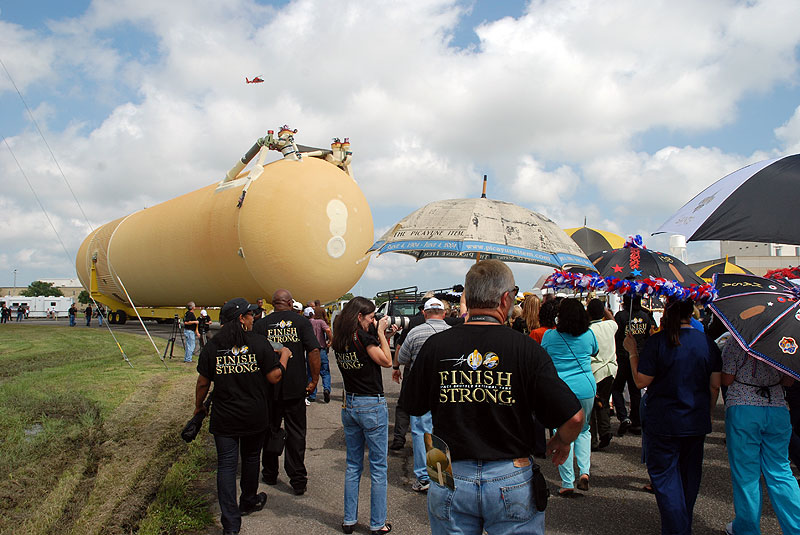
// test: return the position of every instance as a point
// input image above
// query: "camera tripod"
(176, 332)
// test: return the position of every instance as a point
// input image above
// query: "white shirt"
(604, 364)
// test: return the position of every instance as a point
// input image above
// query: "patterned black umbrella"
(756, 203)
(763, 316)
(635, 262)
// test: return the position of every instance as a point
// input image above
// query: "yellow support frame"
(157, 313)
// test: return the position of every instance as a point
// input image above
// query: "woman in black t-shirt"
(239, 363)
(361, 352)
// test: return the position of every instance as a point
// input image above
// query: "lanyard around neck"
(484, 317)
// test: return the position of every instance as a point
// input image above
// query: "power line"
(52, 155)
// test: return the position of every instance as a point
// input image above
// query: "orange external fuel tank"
(299, 223)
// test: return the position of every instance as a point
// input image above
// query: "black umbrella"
(593, 240)
(722, 267)
(756, 203)
(635, 262)
(763, 316)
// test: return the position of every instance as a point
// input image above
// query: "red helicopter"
(256, 80)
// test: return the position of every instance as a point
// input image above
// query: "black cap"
(235, 308)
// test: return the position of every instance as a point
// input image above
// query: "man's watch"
(395, 367)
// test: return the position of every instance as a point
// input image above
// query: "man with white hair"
(483, 383)
(433, 311)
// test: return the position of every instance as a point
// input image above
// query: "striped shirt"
(416, 339)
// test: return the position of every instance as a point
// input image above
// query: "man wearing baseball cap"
(240, 363)
(433, 311)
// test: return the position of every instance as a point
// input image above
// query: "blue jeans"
(228, 450)
(495, 496)
(99, 319)
(580, 450)
(72, 320)
(758, 443)
(324, 373)
(419, 426)
(189, 348)
(366, 421)
(675, 466)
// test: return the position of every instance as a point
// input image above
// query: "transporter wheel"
(111, 317)
(122, 317)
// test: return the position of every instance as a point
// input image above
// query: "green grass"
(86, 440)
(178, 506)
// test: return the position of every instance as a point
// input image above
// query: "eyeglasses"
(514, 291)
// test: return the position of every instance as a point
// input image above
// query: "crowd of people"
(496, 387)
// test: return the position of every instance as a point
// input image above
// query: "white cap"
(203, 313)
(297, 305)
(433, 303)
(308, 311)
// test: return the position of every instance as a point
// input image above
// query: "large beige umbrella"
(480, 229)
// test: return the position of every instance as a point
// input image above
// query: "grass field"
(88, 445)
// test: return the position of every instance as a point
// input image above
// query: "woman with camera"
(239, 363)
(362, 349)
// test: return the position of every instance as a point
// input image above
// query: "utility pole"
(15, 282)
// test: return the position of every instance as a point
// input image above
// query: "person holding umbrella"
(680, 366)
(758, 429)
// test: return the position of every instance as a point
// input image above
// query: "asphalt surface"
(615, 503)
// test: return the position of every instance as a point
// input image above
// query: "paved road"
(614, 505)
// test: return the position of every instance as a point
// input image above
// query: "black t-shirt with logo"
(483, 384)
(239, 403)
(639, 326)
(361, 374)
(189, 316)
(289, 328)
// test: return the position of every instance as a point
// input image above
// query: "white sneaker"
(308, 402)
(729, 528)
(420, 486)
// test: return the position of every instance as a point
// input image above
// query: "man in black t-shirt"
(259, 313)
(284, 326)
(483, 383)
(632, 318)
(189, 330)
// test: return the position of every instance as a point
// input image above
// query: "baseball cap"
(297, 305)
(308, 311)
(203, 313)
(235, 308)
(433, 303)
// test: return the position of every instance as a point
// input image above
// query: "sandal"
(583, 482)
(348, 528)
(387, 527)
(648, 488)
(565, 492)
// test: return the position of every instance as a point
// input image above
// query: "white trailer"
(39, 307)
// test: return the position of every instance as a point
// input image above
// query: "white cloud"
(549, 104)
(789, 133)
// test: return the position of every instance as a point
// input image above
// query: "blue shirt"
(678, 401)
(572, 357)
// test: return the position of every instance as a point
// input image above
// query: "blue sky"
(615, 111)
